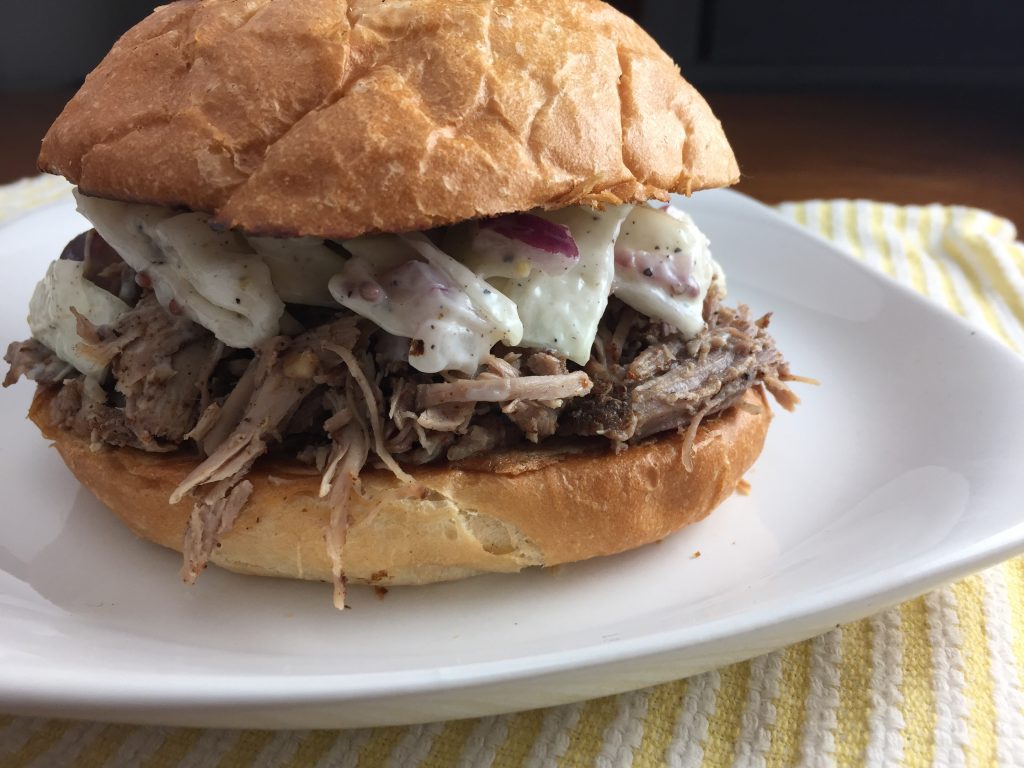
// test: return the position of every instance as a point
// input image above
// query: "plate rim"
(51, 686)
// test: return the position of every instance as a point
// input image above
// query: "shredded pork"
(501, 390)
(36, 362)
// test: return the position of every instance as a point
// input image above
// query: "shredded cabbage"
(211, 277)
(410, 288)
(54, 324)
(562, 312)
(663, 267)
(501, 285)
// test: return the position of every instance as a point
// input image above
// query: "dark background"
(815, 42)
(903, 100)
(734, 43)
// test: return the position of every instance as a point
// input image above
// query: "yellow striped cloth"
(935, 681)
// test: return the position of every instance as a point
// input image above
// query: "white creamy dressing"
(655, 260)
(663, 267)
(211, 277)
(453, 304)
(54, 324)
(561, 312)
(411, 288)
(300, 268)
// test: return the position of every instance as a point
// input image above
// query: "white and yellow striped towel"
(936, 681)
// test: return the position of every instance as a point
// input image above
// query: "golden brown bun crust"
(319, 117)
(527, 513)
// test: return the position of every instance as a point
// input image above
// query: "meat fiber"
(36, 362)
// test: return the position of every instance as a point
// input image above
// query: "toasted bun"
(327, 118)
(525, 509)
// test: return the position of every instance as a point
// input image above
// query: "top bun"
(328, 118)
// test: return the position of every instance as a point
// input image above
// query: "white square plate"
(900, 472)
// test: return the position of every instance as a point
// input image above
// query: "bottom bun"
(516, 509)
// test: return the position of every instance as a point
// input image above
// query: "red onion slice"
(77, 248)
(518, 243)
(535, 232)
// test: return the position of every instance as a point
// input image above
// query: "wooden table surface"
(940, 146)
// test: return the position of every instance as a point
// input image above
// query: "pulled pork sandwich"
(383, 292)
